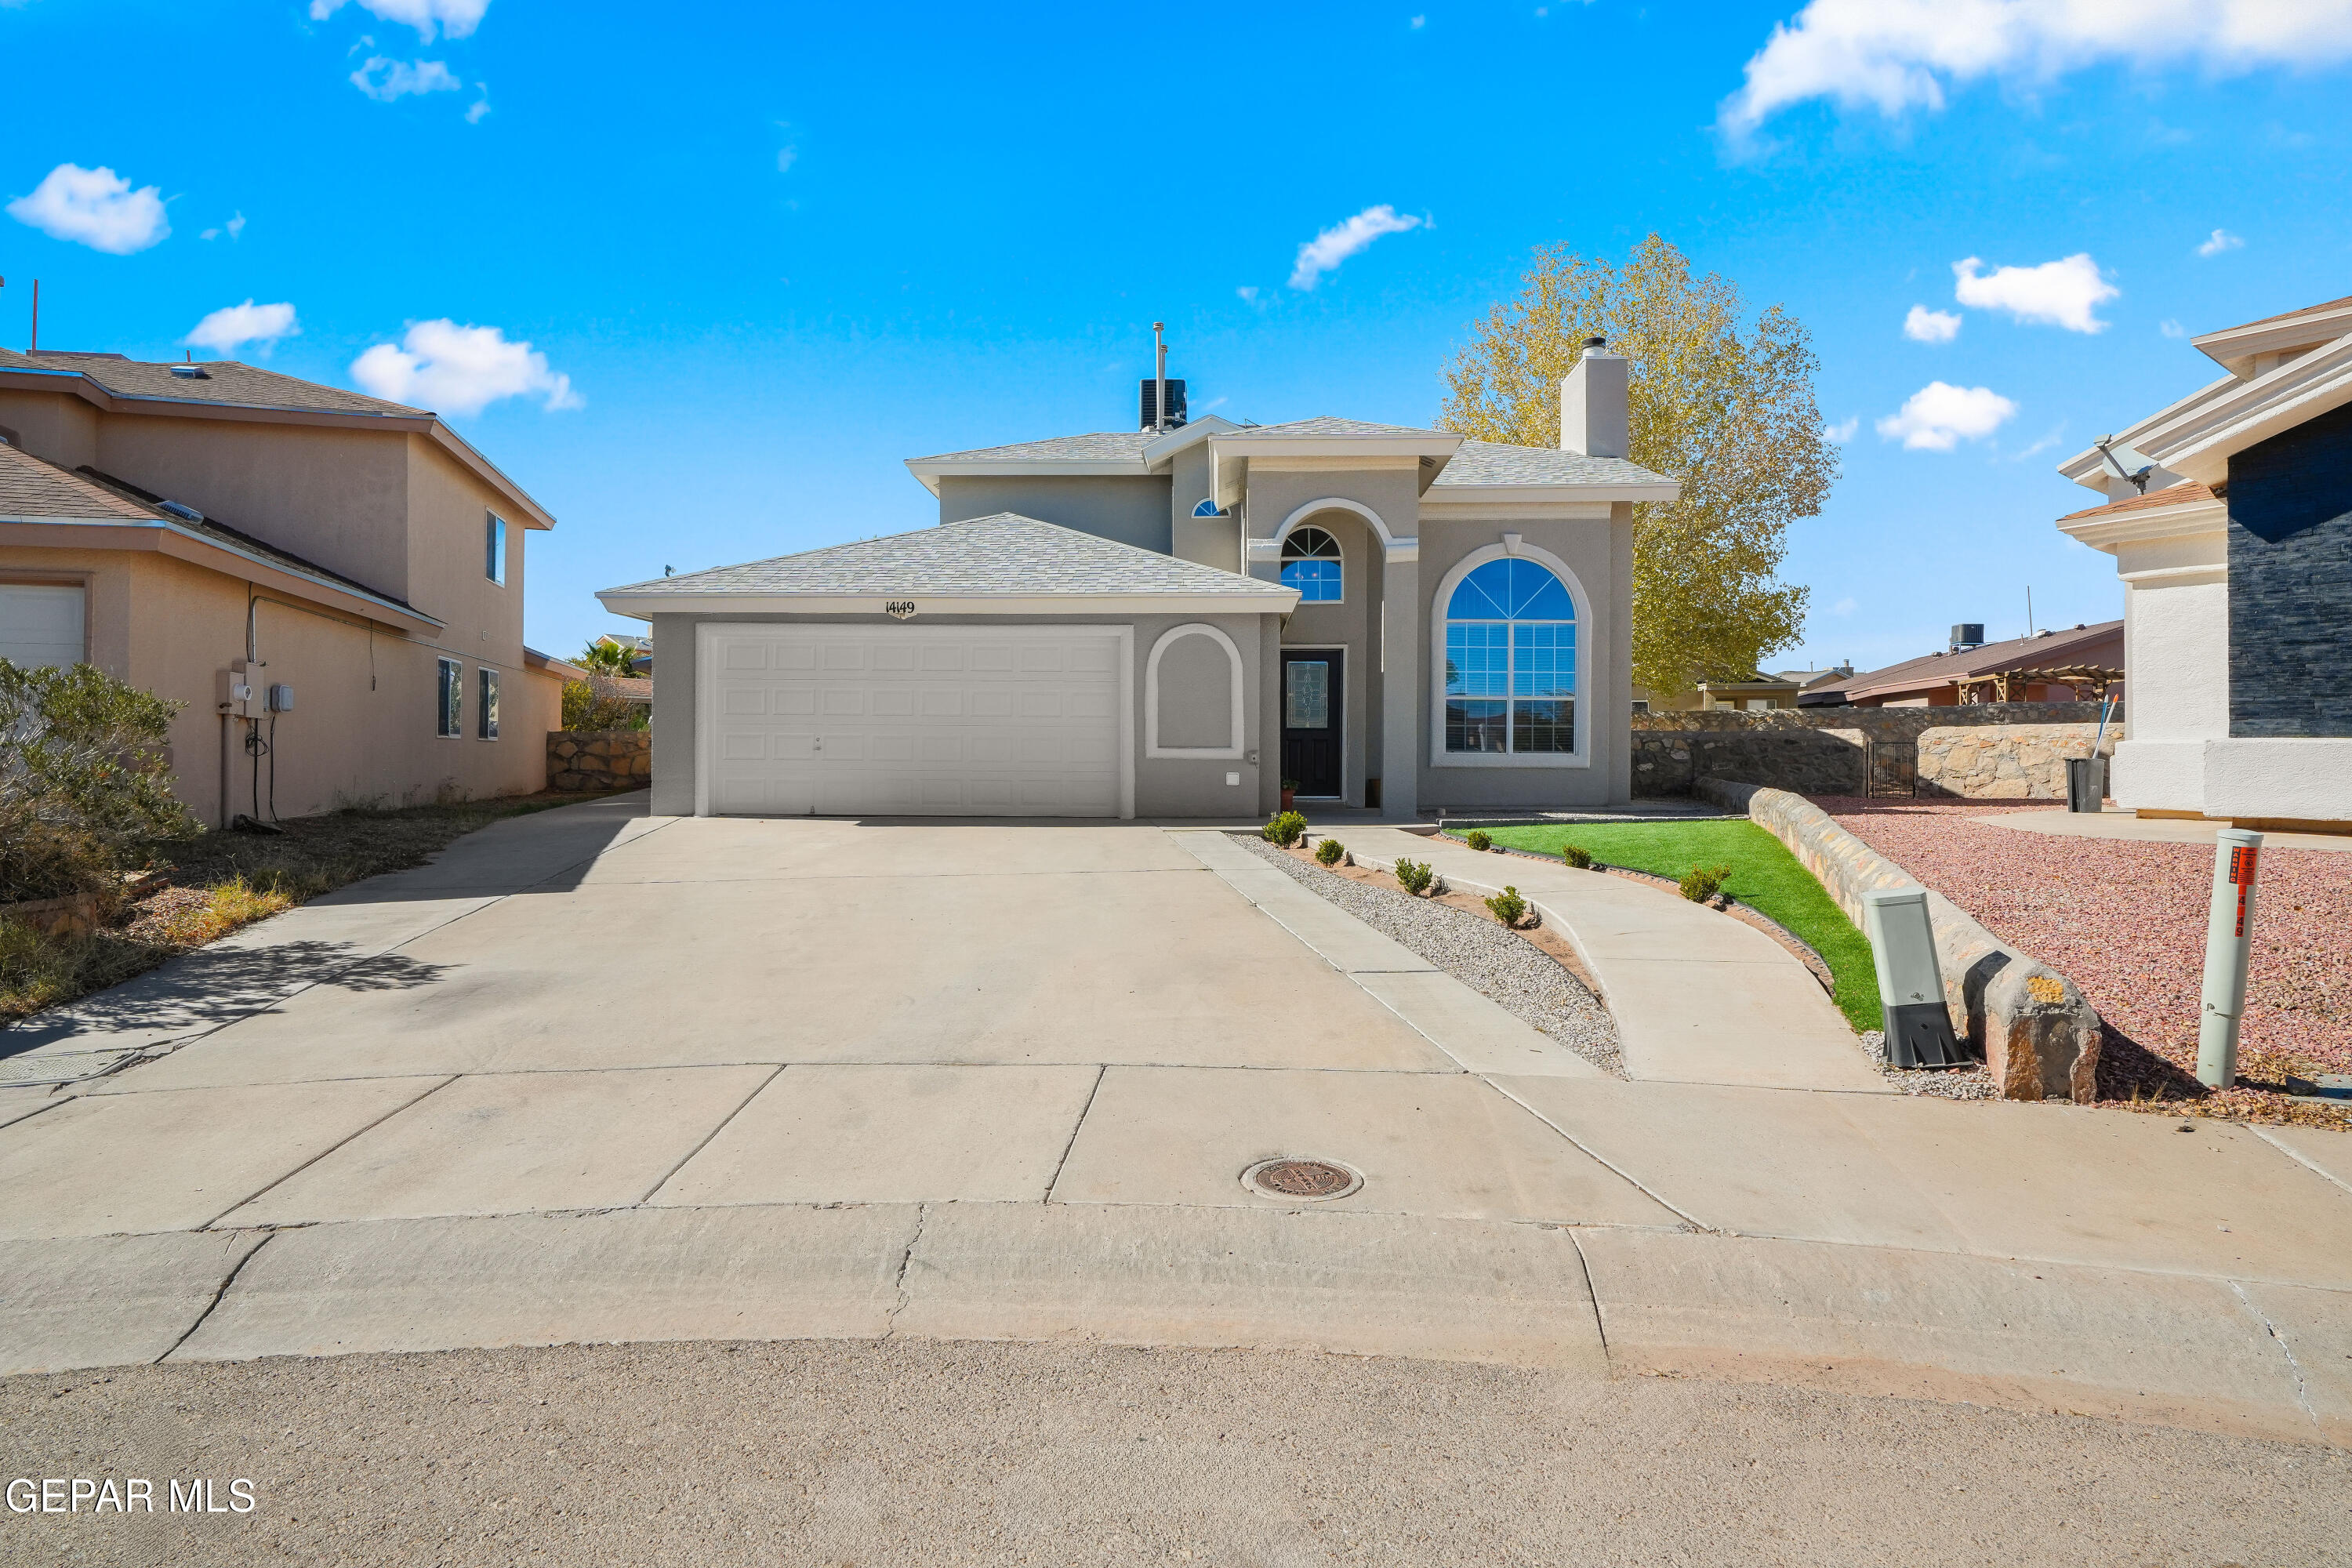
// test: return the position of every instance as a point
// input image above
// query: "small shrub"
(1285, 829)
(1327, 853)
(1479, 839)
(1701, 883)
(1578, 855)
(1508, 907)
(583, 708)
(85, 780)
(1415, 876)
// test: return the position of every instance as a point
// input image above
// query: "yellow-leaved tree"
(1724, 407)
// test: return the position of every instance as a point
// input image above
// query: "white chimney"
(1592, 418)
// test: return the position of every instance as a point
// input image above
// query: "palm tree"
(607, 659)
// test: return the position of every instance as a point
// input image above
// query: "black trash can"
(2087, 784)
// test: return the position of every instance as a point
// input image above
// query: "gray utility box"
(2087, 784)
(1910, 984)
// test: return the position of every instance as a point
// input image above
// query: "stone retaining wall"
(2011, 762)
(2038, 1034)
(1821, 751)
(599, 759)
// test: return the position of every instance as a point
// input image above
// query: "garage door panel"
(916, 722)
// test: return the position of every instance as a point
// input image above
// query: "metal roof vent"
(191, 372)
(180, 509)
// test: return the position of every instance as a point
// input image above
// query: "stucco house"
(1171, 621)
(330, 584)
(2229, 517)
(2071, 664)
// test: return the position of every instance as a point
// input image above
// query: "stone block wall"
(2291, 581)
(1819, 751)
(2011, 762)
(599, 759)
(2038, 1032)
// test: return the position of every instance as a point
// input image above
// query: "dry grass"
(202, 891)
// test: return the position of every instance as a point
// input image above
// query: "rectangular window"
(1474, 725)
(1510, 686)
(494, 563)
(485, 713)
(1306, 695)
(452, 697)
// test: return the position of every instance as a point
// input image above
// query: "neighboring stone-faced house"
(2230, 516)
(352, 563)
(2083, 663)
(1172, 622)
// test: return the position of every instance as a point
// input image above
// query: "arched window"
(1510, 660)
(1207, 508)
(1310, 563)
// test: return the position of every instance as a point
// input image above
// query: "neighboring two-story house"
(2229, 517)
(1172, 622)
(330, 585)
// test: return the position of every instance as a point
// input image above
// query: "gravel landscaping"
(1475, 951)
(2126, 921)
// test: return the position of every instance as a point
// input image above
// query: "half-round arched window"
(1510, 660)
(1207, 508)
(1311, 563)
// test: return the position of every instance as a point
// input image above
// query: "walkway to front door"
(1312, 702)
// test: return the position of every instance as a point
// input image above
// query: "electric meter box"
(1910, 984)
(236, 692)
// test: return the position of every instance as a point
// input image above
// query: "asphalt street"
(838, 1453)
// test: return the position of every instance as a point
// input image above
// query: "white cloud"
(1420, 22)
(481, 106)
(2061, 293)
(1926, 326)
(459, 370)
(1939, 416)
(1842, 431)
(1328, 249)
(95, 207)
(2223, 240)
(384, 79)
(1248, 292)
(2172, 329)
(1898, 55)
(232, 326)
(454, 17)
(233, 228)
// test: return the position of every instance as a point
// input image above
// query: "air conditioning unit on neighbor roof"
(1967, 635)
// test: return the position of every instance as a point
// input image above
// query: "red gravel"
(2126, 921)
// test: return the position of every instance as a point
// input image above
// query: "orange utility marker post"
(2228, 933)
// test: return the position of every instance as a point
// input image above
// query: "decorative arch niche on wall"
(1168, 639)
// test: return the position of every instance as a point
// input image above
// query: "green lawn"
(1764, 876)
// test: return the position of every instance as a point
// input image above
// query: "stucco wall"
(1164, 786)
(1351, 625)
(363, 729)
(1602, 563)
(1132, 510)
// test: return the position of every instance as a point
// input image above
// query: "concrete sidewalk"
(958, 1081)
(1698, 997)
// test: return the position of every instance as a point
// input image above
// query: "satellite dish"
(2125, 463)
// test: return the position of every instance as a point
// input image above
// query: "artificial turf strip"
(1764, 876)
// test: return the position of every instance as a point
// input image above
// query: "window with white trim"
(485, 712)
(451, 697)
(1510, 660)
(1312, 564)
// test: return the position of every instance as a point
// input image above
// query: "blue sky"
(759, 254)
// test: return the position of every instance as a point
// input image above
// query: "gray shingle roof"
(1494, 463)
(1006, 554)
(31, 488)
(1102, 446)
(1326, 424)
(224, 382)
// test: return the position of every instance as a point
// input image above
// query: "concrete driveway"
(594, 1076)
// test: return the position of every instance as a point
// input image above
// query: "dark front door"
(1312, 705)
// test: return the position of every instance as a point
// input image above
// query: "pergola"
(1999, 684)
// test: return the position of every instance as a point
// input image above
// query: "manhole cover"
(1311, 1179)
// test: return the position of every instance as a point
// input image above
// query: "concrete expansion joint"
(2299, 1157)
(2302, 1383)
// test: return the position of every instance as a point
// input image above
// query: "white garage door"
(905, 720)
(40, 623)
